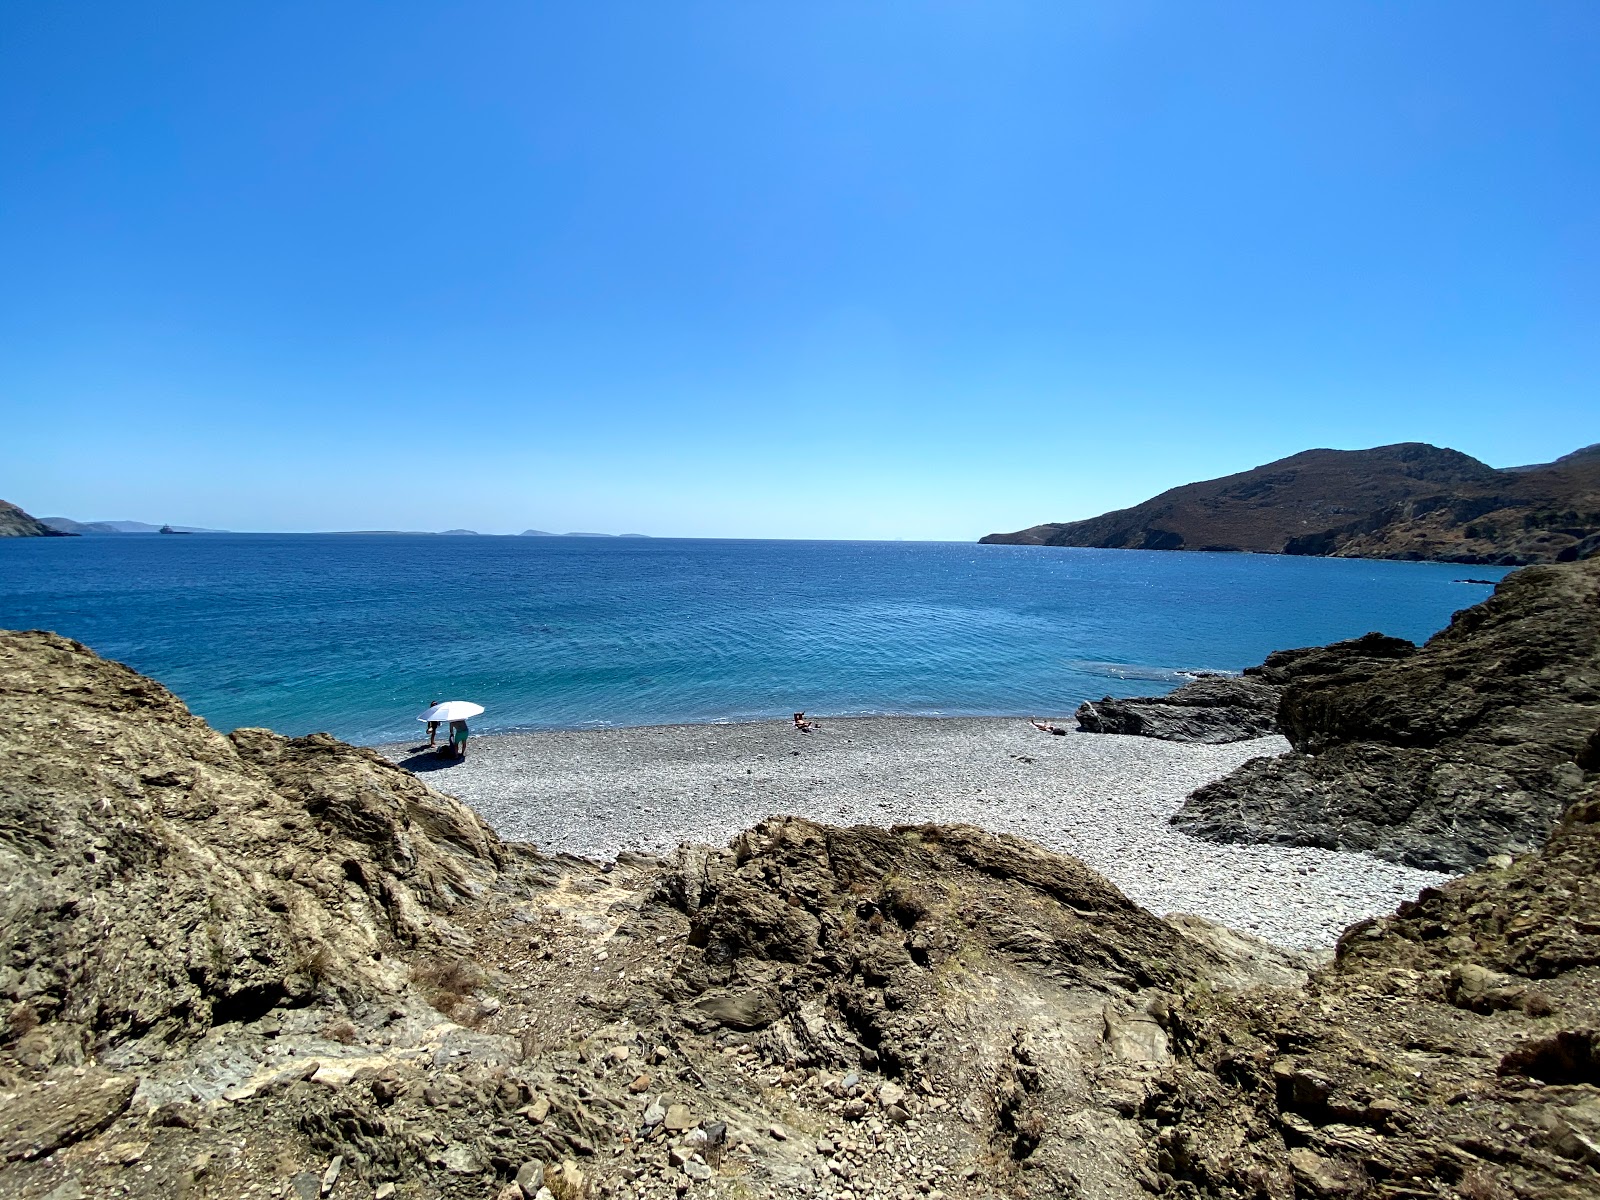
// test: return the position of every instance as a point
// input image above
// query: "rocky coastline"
(246, 965)
(1408, 501)
(1217, 709)
(1439, 757)
(1470, 747)
(16, 523)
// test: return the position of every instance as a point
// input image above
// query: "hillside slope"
(1407, 501)
(16, 523)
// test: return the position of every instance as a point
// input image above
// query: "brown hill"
(16, 523)
(1408, 501)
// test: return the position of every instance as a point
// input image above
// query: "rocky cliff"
(1408, 501)
(246, 965)
(1468, 747)
(16, 523)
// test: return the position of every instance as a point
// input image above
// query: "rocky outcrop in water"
(1215, 709)
(16, 523)
(1407, 501)
(1469, 747)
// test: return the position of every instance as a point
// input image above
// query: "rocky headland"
(16, 523)
(1440, 756)
(1406, 501)
(247, 965)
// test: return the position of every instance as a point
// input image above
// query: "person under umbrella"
(455, 714)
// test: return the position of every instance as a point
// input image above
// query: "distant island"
(543, 533)
(68, 525)
(1408, 501)
(14, 522)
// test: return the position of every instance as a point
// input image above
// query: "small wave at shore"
(1171, 676)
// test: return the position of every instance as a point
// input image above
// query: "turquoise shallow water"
(354, 634)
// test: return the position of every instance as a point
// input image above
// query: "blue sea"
(354, 634)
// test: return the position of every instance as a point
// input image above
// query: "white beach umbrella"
(451, 710)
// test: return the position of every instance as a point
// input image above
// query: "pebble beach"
(1104, 799)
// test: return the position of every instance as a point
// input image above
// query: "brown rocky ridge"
(253, 966)
(16, 523)
(1407, 501)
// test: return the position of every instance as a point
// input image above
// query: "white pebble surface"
(1105, 799)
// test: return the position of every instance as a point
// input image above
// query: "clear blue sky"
(852, 269)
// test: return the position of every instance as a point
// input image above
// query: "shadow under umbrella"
(429, 760)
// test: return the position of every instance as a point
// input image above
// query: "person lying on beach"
(458, 738)
(1044, 728)
(803, 725)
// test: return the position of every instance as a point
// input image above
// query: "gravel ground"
(1105, 799)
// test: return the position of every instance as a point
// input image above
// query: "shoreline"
(1105, 799)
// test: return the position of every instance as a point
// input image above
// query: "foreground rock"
(1407, 501)
(1450, 1051)
(1470, 747)
(249, 965)
(1217, 709)
(253, 966)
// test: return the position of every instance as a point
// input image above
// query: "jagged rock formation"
(1451, 1050)
(1212, 709)
(16, 523)
(251, 963)
(1408, 501)
(1215, 709)
(250, 966)
(1469, 747)
(158, 878)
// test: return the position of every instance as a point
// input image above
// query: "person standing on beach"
(458, 738)
(433, 727)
